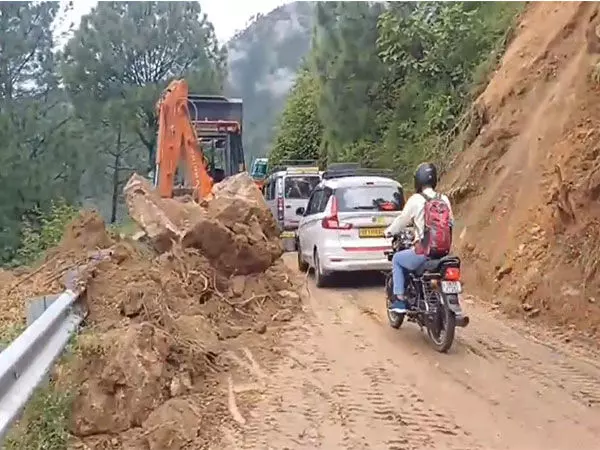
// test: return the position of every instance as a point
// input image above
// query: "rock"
(198, 331)
(526, 307)
(172, 425)
(289, 295)
(146, 208)
(181, 384)
(570, 291)
(503, 271)
(260, 328)
(124, 382)
(235, 229)
(133, 301)
(241, 186)
(238, 284)
(591, 300)
(533, 313)
(229, 332)
(284, 315)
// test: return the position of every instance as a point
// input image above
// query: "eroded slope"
(527, 188)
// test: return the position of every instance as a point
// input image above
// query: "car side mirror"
(300, 211)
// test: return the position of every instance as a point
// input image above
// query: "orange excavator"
(203, 132)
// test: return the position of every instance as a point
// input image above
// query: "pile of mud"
(527, 188)
(169, 316)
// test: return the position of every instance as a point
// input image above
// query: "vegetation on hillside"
(387, 85)
(75, 123)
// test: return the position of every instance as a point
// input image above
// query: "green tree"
(130, 50)
(42, 148)
(26, 58)
(394, 80)
(345, 60)
(299, 132)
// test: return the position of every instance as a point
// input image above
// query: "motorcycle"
(432, 292)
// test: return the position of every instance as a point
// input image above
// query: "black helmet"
(425, 176)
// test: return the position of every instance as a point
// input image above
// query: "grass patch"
(10, 332)
(45, 421)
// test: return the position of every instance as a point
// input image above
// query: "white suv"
(342, 227)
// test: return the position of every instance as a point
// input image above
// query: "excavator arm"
(177, 141)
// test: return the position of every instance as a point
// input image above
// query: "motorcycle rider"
(413, 213)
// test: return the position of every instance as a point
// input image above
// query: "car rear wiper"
(364, 207)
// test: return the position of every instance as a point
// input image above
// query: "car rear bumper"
(353, 262)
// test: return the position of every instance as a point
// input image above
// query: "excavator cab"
(218, 124)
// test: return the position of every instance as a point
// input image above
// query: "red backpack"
(437, 234)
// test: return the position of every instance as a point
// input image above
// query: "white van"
(288, 188)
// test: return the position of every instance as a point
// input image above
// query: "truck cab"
(259, 171)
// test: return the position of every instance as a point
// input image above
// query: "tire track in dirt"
(344, 380)
(331, 391)
(559, 373)
(538, 392)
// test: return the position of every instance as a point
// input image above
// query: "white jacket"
(414, 213)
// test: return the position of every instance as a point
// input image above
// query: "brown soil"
(526, 190)
(346, 380)
(164, 328)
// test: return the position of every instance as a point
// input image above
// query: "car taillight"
(452, 274)
(332, 222)
(280, 208)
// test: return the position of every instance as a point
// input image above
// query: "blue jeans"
(408, 260)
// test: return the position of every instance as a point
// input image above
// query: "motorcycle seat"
(433, 265)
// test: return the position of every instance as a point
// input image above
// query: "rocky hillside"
(527, 188)
(263, 61)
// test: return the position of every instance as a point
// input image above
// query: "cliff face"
(526, 190)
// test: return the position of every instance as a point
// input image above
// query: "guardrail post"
(37, 305)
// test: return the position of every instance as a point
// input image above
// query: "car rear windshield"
(300, 187)
(370, 198)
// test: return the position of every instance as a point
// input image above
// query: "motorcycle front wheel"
(442, 325)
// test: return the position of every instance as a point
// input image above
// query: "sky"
(227, 16)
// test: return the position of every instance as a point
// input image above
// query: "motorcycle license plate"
(451, 287)
(287, 234)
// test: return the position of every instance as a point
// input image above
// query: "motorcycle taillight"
(452, 274)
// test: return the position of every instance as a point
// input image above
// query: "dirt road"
(346, 380)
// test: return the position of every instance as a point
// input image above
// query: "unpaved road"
(346, 380)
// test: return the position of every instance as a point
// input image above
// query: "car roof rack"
(297, 166)
(344, 170)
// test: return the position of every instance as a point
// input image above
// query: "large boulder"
(234, 229)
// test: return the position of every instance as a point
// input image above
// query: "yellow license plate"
(370, 232)
(287, 234)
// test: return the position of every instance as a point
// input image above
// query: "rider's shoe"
(399, 307)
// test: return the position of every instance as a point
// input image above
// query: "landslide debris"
(234, 230)
(173, 318)
(526, 189)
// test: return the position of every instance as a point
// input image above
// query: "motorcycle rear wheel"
(441, 329)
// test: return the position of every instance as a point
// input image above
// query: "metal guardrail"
(25, 363)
